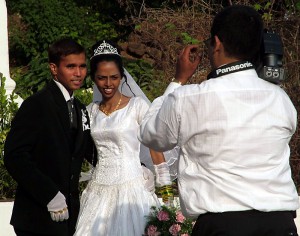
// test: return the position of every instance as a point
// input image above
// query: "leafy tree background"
(150, 34)
(8, 109)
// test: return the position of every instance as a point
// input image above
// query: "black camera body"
(270, 66)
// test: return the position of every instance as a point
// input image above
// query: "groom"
(44, 150)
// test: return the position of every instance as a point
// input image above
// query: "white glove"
(148, 179)
(58, 208)
(162, 172)
(163, 180)
(87, 176)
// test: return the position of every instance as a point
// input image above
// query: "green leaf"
(257, 6)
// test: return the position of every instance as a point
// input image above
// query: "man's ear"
(218, 44)
(53, 68)
(218, 54)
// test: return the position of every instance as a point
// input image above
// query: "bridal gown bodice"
(117, 145)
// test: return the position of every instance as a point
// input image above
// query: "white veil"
(133, 89)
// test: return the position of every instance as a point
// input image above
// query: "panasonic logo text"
(233, 68)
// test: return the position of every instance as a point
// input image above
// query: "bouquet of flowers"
(168, 220)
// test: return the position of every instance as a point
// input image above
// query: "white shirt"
(233, 133)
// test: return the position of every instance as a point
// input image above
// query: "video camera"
(270, 67)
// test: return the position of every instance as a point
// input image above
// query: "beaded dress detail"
(115, 201)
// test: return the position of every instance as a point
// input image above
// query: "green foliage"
(170, 26)
(137, 27)
(8, 108)
(49, 20)
(267, 15)
(298, 6)
(44, 22)
(188, 39)
(84, 168)
(36, 76)
(185, 37)
(270, 10)
(143, 73)
(85, 95)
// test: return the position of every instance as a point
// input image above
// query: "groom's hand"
(58, 208)
(60, 215)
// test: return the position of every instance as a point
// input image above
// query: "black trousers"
(246, 223)
(26, 233)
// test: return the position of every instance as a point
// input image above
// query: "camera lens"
(271, 60)
(276, 74)
(268, 73)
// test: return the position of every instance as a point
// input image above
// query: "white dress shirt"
(233, 132)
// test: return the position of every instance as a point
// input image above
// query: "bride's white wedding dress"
(115, 202)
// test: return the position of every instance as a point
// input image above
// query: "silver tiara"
(105, 48)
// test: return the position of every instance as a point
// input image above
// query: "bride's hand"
(148, 179)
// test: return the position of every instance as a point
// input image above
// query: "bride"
(116, 201)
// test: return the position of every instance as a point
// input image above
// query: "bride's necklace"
(101, 107)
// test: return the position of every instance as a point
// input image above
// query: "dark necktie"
(72, 113)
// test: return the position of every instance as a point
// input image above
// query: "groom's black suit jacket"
(43, 157)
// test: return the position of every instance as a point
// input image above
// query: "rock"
(136, 49)
(154, 53)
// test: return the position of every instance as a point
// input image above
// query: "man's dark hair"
(240, 29)
(63, 48)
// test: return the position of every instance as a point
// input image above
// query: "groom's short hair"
(63, 48)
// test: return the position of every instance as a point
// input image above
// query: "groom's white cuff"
(172, 86)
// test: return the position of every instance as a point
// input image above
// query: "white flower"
(85, 123)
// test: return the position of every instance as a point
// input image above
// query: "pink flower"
(163, 216)
(152, 231)
(174, 229)
(179, 217)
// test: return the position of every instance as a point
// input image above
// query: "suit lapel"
(61, 108)
(62, 111)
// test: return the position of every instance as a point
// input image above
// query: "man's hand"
(60, 215)
(148, 179)
(187, 63)
(58, 208)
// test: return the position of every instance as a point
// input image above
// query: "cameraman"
(233, 131)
